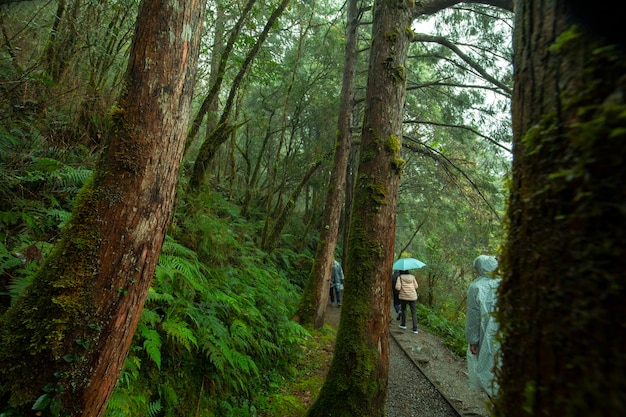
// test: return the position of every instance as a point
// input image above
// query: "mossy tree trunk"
(224, 127)
(312, 307)
(66, 338)
(356, 384)
(562, 299)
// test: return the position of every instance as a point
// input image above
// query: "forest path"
(447, 371)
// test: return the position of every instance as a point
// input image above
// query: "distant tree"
(224, 126)
(315, 297)
(562, 300)
(219, 59)
(64, 341)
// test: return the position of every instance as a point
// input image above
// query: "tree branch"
(445, 163)
(433, 6)
(422, 37)
(416, 86)
(471, 129)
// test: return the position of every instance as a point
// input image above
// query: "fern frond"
(154, 408)
(189, 269)
(243, 363)
(70, 178)
(63, 216)
(149, 317)
(180, 333)
(130, 371)
(45, 165)
(7, 259)
(152, 345)
(170, 246)
(9, 217)
(217, 352)
(20, 282)
(154, 296)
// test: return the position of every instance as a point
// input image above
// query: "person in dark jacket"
(396, 299)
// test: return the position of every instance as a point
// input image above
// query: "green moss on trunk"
(50, 327)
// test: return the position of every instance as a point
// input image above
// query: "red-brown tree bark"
(65, 340)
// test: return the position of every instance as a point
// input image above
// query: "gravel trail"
(410, 393)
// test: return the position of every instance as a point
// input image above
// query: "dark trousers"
(412, 305)
(335, 293)
(396, 302)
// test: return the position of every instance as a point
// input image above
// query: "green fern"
(21, 274)
(130, 371)
(124, 403)
(157, 297)
(149, 318)
(23, 278)
(152, 345)
(7, 259)
(9, 217)
(62, 216)
(154, 408)
(180, 333)
(70, 179)
(229, 325)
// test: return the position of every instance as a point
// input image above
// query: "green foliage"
(223, 326)
(17, 272)
(7, 259)
(452, 332)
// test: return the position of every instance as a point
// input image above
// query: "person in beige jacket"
(407, 288)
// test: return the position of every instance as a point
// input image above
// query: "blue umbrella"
(404, 264)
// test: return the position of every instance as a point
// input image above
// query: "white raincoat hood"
(484, 264)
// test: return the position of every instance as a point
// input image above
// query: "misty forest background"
(216, 332)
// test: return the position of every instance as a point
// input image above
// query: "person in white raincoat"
(481, 326)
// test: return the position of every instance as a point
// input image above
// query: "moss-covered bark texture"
(63, 344)
(562, 300)
(356, 384)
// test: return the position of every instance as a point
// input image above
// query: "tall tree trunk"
(353, 158)
(561, 304)
(356, 384)
(252, 182)
(222, 131)
(278, 225)
(65, 340)
(219, 60)
(315, 298)
(61, 44)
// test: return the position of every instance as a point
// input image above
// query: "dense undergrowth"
(216, 336)
(451, 331)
